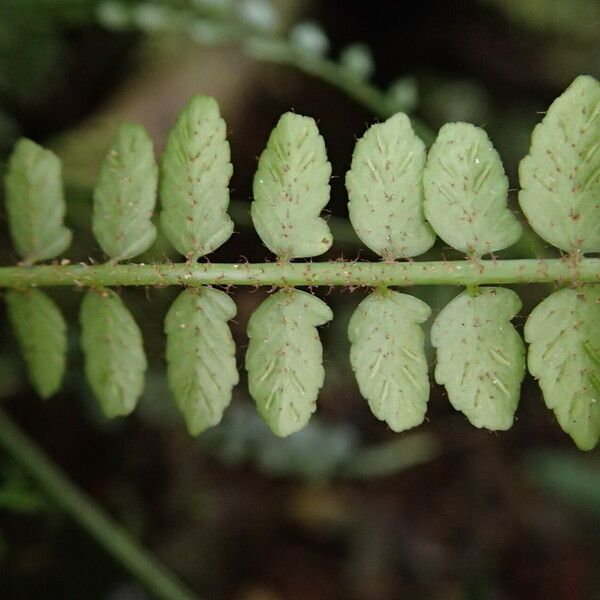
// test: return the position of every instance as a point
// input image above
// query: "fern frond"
(112, 345)
(291, 188)
(388, 357)
(41, 332)
(194, 191)
(480, 355)
(35, 203)
(399, 196)
(285, 358)
(125, 195)
(201, 355)
(466, 191)
(385, 188)
(560, 177)
(563, 333)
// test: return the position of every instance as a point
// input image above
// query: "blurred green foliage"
(320, 451)
(33, 51)
(571, 19)
(464, 526)
(568, 477)
(17, 493)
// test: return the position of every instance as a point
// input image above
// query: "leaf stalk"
(333, 273)
(107, 532)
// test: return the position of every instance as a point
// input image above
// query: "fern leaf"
(125, 195)
(115, 362)
(480, 356)
(42, 336)
(35, 202)
(284, 358)
(564, 354)
(196, 170)
(291, 188)
(385, 187)
(388, 357)
(561, 175)
(201, 355)
(466, 191)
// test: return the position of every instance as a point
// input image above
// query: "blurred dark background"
(345, 509)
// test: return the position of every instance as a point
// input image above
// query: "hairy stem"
(334, 273)
(280, 52)
(152, 574)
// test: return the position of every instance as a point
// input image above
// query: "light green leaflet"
(196, 170)
(385, 187)
(466, 191)
(201, 355)
(480, 356)
(291, 188)
(42, 335)
(285, 358)
(114, 354)
(560, 178)
(35, 203)
(125, 195)
(564, 354)
(388, 357)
